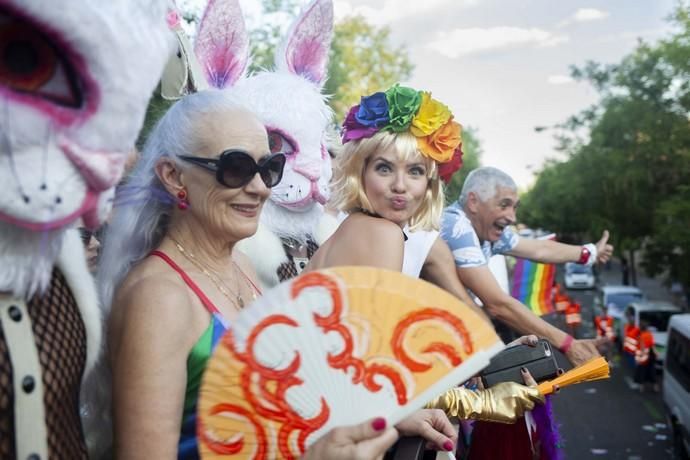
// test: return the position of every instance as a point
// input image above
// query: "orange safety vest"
(572, 314)
(631, 341)
(646, 345)
(562, 301)
(604, 326)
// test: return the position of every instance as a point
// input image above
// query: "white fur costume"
(73, 90)
(289, 102)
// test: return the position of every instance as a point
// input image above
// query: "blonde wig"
(348, 192)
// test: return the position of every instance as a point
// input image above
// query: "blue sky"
(502, 66)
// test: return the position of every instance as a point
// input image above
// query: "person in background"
(573, 317)
(625, 272)
(645, 359)
(92, 246)
(631, 340)
(603, 325)
(478, 225)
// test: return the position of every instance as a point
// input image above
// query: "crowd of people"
(171, 277)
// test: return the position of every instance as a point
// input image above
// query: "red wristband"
(584, 255)
(567, 343)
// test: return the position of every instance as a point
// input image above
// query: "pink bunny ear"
(305, 50)
(222, 44)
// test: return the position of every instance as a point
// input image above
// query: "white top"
(416, 248)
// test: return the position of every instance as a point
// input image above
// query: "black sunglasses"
(87, 234)
(235, 169)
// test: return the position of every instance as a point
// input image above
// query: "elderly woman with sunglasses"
(169, 270)
(174, 281)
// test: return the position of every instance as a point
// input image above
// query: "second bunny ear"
(182, 74)
(304, 51)
(222, 44)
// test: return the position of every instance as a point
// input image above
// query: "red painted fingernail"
(448, 446)
(379, 424)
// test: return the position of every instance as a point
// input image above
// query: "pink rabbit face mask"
(74, 85)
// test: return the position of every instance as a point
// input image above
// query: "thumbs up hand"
(604, 250)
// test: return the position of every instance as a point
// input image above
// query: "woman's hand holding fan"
(333, 348)
(432, 425)
(368, 440)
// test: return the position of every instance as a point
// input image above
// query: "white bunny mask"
(74, 88)
(288, 101)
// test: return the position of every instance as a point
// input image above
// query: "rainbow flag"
(532, 283)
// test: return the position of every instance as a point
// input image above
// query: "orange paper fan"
(594, 369)
(331, 348)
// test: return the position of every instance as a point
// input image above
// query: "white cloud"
(395, 10)
(584, 15)
(462, 42)
(589, 14)
(559, 79)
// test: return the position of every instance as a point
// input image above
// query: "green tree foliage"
(154, 111)
(471, 159)
(361, 60)
(264, 38)
(630, 173)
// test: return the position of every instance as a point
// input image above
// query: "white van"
(676, 388)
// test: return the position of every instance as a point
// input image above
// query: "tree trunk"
(633, 270)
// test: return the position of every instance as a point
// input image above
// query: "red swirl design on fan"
(363, 373)
(437, 314)
(255, 382)
(233, 447)
(264, 389)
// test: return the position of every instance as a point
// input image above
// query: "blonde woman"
(387, 179)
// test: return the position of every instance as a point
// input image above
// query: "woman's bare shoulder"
(155, 296)
(370, 229)
(366, 240)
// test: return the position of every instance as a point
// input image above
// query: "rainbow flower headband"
(399, 109)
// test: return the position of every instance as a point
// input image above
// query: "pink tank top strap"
(192, 285)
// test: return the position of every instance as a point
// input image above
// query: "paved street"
(609, 419)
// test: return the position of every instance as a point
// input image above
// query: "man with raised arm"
(477, 226)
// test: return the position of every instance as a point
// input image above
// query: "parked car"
(617, 298)
(676, 386)
(657, 314)
(578, 276)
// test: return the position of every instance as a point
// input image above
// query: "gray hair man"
(477, 226)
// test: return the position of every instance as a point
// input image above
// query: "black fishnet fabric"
(287, 270)
(60, 338)
(6, 402)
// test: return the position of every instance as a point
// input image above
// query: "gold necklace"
(237, 301)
